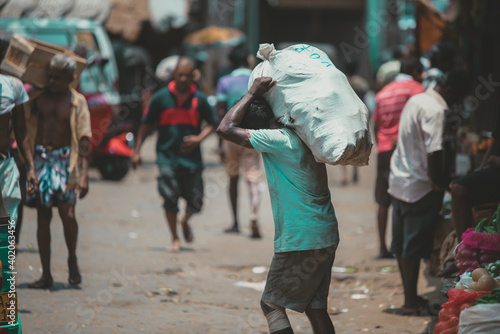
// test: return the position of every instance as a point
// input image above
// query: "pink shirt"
(389, 104)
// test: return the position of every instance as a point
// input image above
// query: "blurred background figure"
(388, 70)
(478, 187)
(58, 122)
(389, 104)
(443, 58)
(361, 87)
(178, 111)
(417, 182)
(230, 89)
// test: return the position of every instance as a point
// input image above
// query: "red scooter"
(112, 138)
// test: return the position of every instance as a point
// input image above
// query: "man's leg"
(186, 229)
(250, 160)
(383, 200)
(320, 321)
(382, 216)
(254, 206)
(233, 198)
(277, 320)
(345, 175)
(355, 177)
(418, 236)
(461, 209)
(191, 185)
(70, 228)
(233, 156)
(44, 216)
(172, 224)
(409, 274)
(169, 190)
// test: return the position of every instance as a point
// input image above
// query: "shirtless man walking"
(58, 120)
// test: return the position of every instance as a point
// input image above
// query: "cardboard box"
(17, 56)
(36, 72)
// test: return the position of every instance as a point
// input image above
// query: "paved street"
(131, 284)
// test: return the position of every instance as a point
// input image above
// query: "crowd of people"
(52, 130)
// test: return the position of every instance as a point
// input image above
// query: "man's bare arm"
(221, 108)
(84, 150)
(492, 156)
(191, 142)
(229, 128)
(144, 131)
(24, 144)
(436, 172)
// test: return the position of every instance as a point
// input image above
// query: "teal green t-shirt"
(304, 217)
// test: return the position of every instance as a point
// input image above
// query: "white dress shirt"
(421, 131)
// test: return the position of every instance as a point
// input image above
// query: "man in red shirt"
(178, 110)
(389, 103)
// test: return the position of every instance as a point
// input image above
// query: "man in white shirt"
(417, 181)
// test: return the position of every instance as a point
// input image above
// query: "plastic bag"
(449, 315)
(315, 99)
(480, 319)
(477, 250)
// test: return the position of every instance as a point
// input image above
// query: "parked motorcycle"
(112, 137)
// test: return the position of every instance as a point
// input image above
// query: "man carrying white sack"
(306, 232)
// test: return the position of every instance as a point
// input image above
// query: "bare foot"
(385, 255)
(175, 247)
(74, 274)
(255, 230)
(42, 283)
(232, 229)
(187, 232)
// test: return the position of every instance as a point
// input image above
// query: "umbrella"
(214, 37)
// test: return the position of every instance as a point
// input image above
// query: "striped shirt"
(176, 119)
(389, 104)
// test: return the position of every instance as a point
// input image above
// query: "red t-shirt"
(389, 103)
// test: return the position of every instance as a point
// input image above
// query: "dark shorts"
(483, 186)
(414, 224)
(185, 183)
(300, 280)
(382, 197)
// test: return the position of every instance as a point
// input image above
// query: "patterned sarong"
(52, 169)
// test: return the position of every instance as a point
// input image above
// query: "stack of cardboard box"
(28, 59)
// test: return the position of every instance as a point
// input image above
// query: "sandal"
(422, 310)
(42, 283)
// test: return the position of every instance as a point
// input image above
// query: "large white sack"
(315, 99)
(480, 319)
